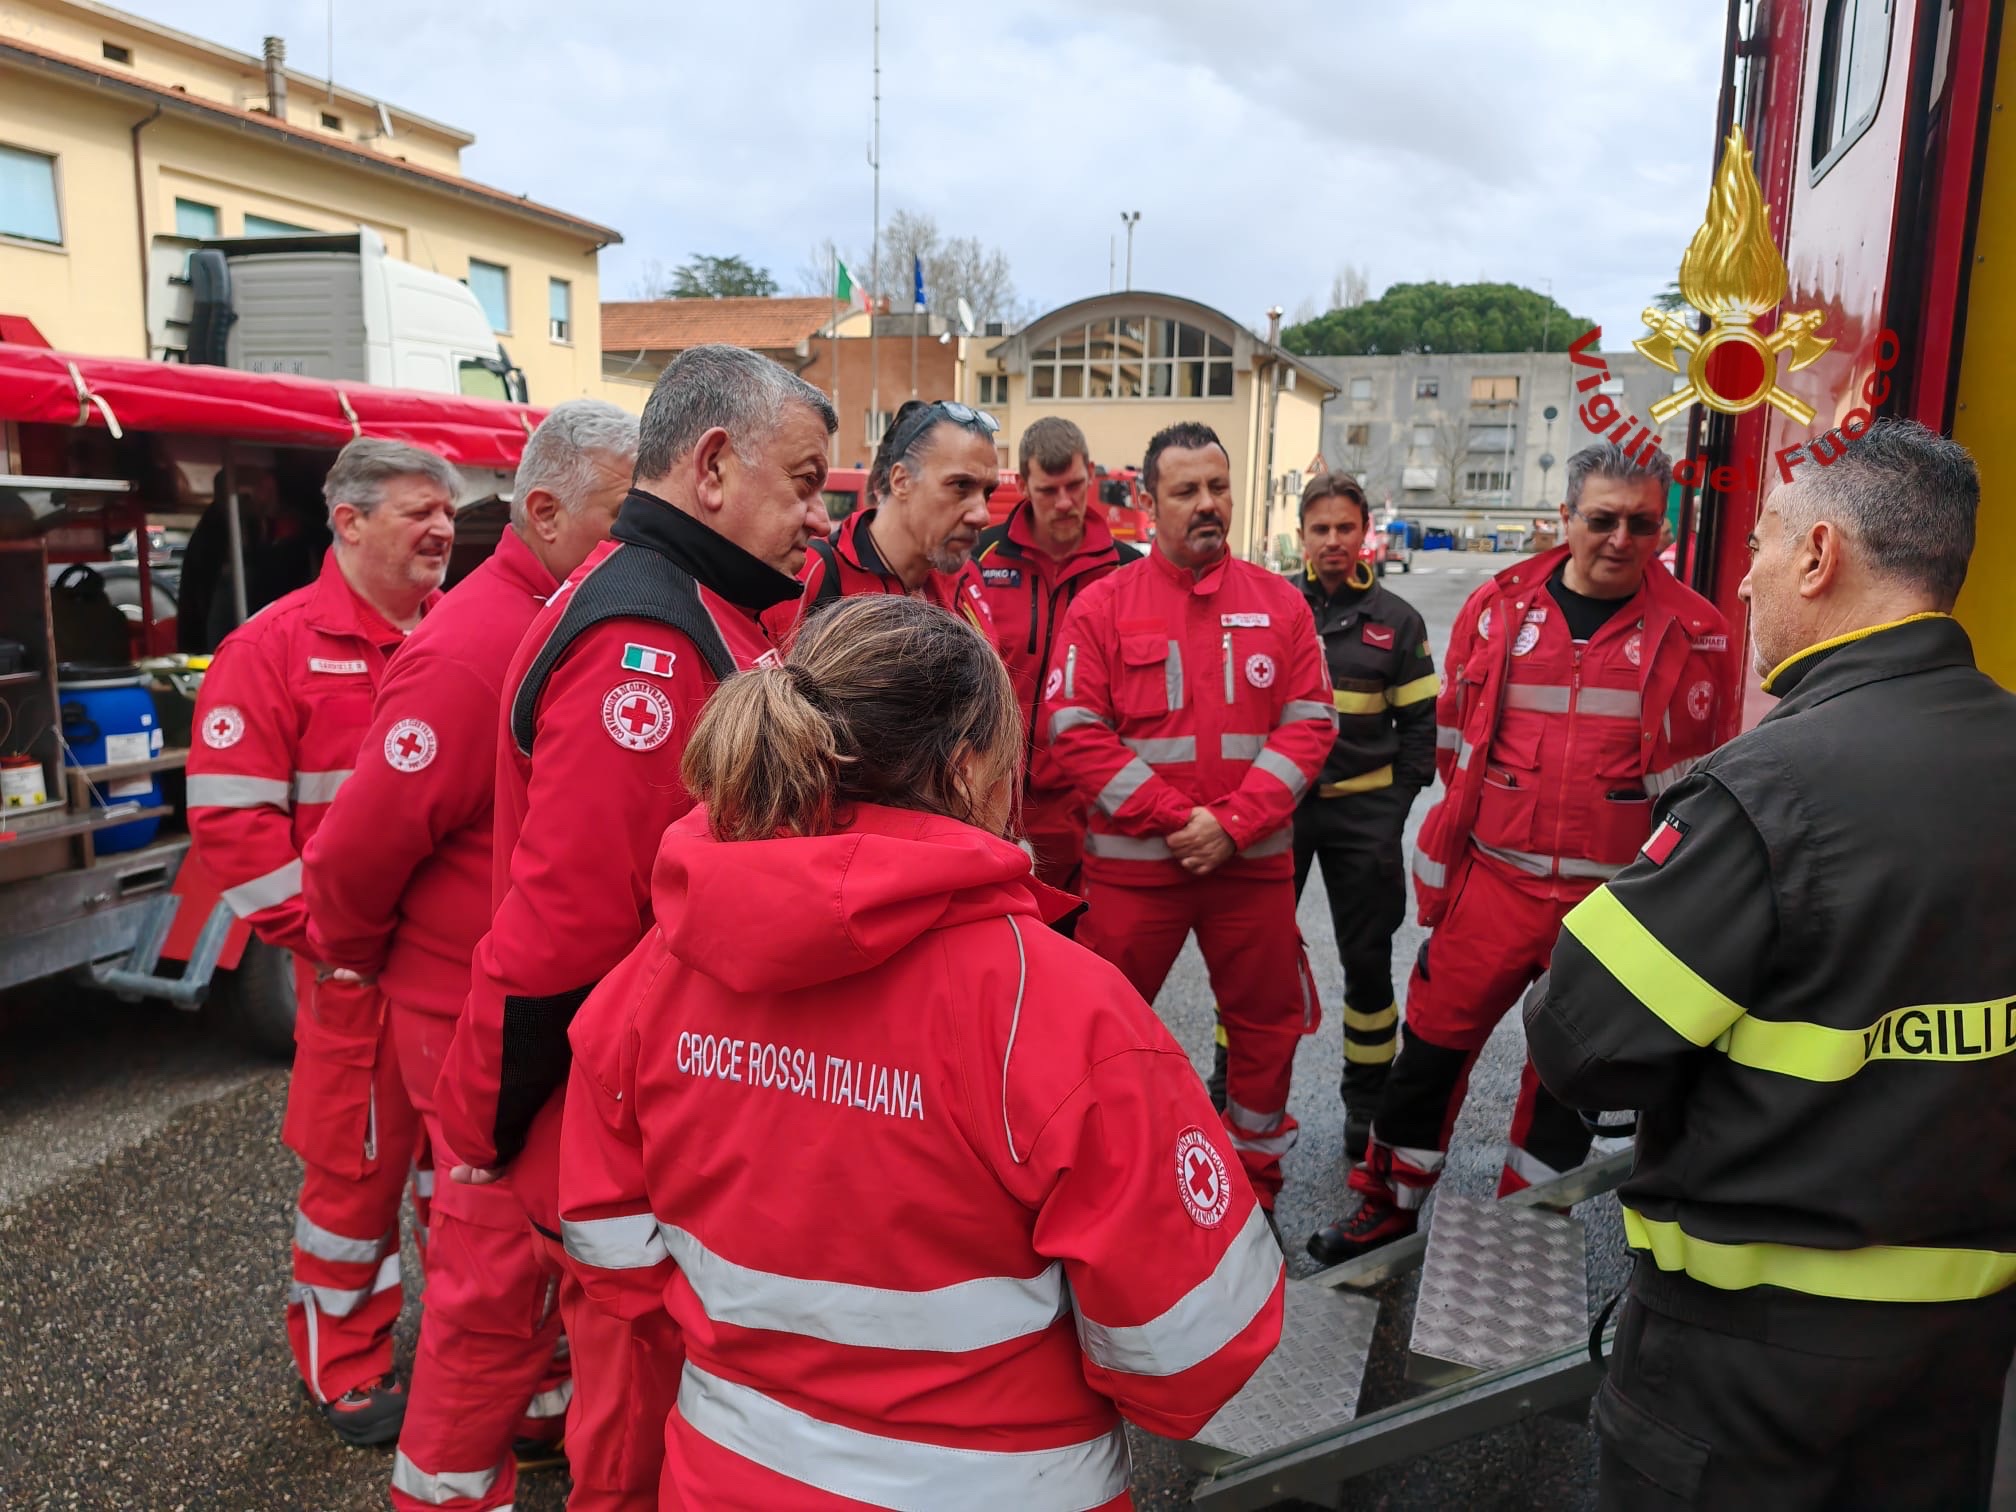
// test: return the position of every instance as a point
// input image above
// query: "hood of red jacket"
(781, 915)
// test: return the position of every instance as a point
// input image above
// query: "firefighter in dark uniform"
(1351, 822)
(1806, 984)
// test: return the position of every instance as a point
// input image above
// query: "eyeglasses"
(922, 420)
(1606, 524)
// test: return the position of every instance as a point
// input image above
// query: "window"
(1854, 55)
(1132, 357)
(1490, 438)
(1486, 481)
(1415, 478)
(1424, 437)
(878, 422)
(993, 388)
(28, 196)
(1427, 388)
(491, 285)
(1494, 390)
(196, 221)
(1358, 435)
(114, 53)
(331, 122)
(559, 309)
(262, 225)
(1361, 389)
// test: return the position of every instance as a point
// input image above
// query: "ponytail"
(763, 759)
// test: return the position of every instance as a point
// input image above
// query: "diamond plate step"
(1307, 1386)
(1500, 1284)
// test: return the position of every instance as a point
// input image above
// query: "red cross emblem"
(410, 745)
(1201, 1179)
(637, 715)
(225, 727)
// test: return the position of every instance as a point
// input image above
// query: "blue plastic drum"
(108, 716)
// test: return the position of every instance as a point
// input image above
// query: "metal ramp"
(1501, 1327)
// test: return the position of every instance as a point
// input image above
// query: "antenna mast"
(875, 246)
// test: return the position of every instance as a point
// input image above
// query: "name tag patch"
(1711, 643)
(1244, 621)
(337, 668)
(1001, 577)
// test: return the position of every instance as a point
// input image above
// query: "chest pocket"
(338, 712)
(1151, 675)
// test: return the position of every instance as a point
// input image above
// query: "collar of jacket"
(856, 543)
(1352, 594)
(520, 565)
(1917, 643)
(1203, 581)
(1095, 544)
(708, 557)
(339, 609)
(1663, 591)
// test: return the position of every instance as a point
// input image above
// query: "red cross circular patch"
(1201, 1178)
(1260, 670)
(223, 726)
(1700, 701)
(638, 716)
(1634, 647)
(410, 745)
(1054, 682)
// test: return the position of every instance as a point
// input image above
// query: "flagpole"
(915, 311)
(832, 345)
(875, 245)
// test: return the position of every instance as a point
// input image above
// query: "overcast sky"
(1265, 142)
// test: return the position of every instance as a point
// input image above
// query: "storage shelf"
(17, 679)
(113, 771)
(70, 829)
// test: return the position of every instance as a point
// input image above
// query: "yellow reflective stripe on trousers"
(1880, 1273)
(1946, 1033)
(1650, 972)
(1413, 692)
(1364, 782)
(1385, 1018)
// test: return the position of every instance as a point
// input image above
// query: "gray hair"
(1607, 459)
(724, 387)
(572, 445)
(1906, 495)
(366, 465)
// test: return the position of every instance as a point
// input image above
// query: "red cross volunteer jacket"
(1553, 751)
(931, 1194)
(276, 732)
(1173, 689)
(398, 875)
(599, 702)
(847, 563)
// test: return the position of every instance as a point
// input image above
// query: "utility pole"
(1112, 263)
(833, 345)
(875, 245)
(1130, 219)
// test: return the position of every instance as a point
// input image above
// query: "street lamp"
(1130, 219)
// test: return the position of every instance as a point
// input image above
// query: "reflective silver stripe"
(1447, 737)
(1273, 1144)
(1547, 698)
(1307, 708)
(217, 790)
(338, 1302)
(1127, 847)
(631, 1242)
(1124, 784)
(1429, 1161)
(1204, 1320)
(1245, 1120)
(1172, 677)
(1434, 873)
(441, 1488)
(1283, 771)
(1167, 749)
(265, 892)
(1535, 864)
(1071, 671)
(423, 1182)
(899, 1474)
(324, 1244)
(1241, 747)
(1071, 719)
(1609, 703)
(1274, 845)
(318, 787)
(551, 1404)
(1657, 782)
(1463, 754)
(1529, 1168)
(967, 1315)
(1575, 866)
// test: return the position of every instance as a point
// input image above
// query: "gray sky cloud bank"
(1264, 144)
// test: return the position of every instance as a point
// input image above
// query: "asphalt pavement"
(146, 1206)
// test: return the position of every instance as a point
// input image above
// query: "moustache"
(1205, 522)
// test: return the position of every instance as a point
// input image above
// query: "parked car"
(1386, 548)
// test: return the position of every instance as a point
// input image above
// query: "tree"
(1349, 288)
(1439, 317)
(1671, 300)
(730, 277)
(955, 268)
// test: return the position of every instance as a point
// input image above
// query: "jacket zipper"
(1561, 785)
(371, 1124)
(1228, 666)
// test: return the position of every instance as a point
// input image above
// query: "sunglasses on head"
(944, 409)
(1606, 524)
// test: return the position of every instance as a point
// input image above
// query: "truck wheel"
(256, 1000)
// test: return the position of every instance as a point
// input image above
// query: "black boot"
(1216, 1084)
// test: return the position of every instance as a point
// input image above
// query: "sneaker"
(1365, 1228)
(538, 1454)
(369, 1414)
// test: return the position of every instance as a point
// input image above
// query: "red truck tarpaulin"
(121, 394)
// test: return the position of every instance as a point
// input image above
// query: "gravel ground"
(145, 1207)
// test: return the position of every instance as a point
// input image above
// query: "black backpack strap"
(633, 583)
(829, 580)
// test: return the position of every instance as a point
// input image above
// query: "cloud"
(1264, 144)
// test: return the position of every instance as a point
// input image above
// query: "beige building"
(121, 140)
(1123, 366)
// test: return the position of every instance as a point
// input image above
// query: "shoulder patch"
(410, 745)
(1202, 1181)
(223, 727)
(637, 716)
(653, 659)
(1665, 840)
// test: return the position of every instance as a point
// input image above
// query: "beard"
(949, 556)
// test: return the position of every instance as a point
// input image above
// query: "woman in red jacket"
(932, 1195)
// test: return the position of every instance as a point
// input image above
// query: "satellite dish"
(966, 320)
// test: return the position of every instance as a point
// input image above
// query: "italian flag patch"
(1664, 840)
(648, 659)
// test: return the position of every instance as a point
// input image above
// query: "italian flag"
(648, 659)
(844, 288)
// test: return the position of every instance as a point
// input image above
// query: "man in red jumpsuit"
(598, 704)
(1033, 566)
(1578, 687)
(398, 886)
(1189, 702)
(927, 496)
(277, 727)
